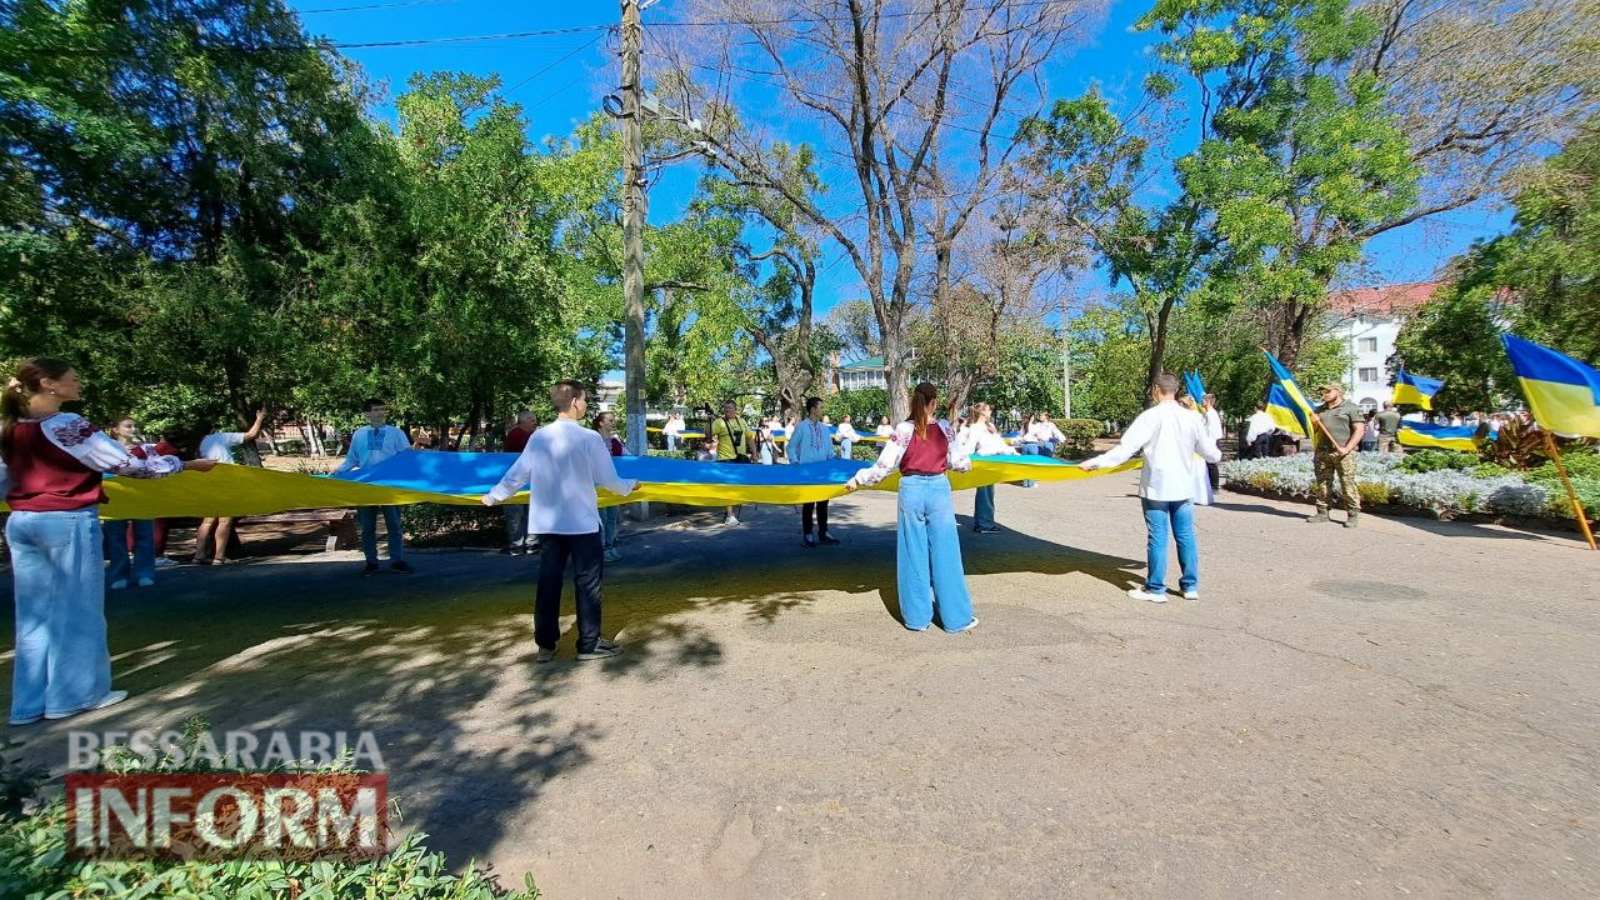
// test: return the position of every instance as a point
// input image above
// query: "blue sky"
(559, 79)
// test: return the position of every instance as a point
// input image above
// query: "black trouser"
(1262, 447)
(588, 558)
(1214, 472)
(820, 508)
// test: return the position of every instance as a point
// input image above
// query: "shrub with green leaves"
(1437, 460)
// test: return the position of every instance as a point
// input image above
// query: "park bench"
(340, 524)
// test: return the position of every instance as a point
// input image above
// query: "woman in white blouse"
(928, 555)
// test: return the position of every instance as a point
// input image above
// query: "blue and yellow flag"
(1286, 404)
(1415, 390)
(1195, 387)
(432, 476)
(1465, 438)
(1563, 394)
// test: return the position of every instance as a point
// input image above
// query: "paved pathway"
(1410, 707)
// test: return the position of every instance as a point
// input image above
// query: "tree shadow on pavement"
(440, 666)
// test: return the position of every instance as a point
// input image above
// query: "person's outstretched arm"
(888, 459)
(515, 479)
(1133, 440)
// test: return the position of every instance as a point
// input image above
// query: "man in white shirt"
(1170, 437)
(1214, 432)
(218, 447)
(369, 446)
(562, 465)
(672, 430)
(1258, 432)
(809, 442)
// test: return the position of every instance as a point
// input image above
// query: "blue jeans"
(1178, 517)
(610, 518)
(58, 578)
(368, 517)
(144, 549)
(983, 508)
(928, 556)
(844, 449)
(672, 442)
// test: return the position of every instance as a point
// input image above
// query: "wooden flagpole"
(1572, 494)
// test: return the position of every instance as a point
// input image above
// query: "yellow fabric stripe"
(249, 491)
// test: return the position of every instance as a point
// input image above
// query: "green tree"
(1456, 336)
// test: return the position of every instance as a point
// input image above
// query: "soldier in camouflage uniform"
(1343, 420)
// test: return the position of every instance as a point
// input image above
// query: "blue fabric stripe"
(1536, 363)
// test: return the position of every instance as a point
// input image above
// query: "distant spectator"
(517, 538)
(370, 446)
(218, 446)
(1388, 428)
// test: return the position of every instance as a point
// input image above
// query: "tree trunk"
(1158, 344)
(898, 377)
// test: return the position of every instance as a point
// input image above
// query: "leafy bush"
(34, 864)
(1442, 491)
(864, 405)
(1373, 493)
(1080, 434)
(1437, 460)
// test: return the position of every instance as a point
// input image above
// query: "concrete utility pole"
(634, 206)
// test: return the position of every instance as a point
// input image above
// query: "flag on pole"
(1286, 404)
(1415, 390)
(1194, 386)
(1563, 394)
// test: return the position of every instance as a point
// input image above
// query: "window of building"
(1369, 345)
(1368, 376)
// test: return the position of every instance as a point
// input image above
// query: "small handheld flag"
(1194, 386)
(1563, 394)
(1415, 390)
(1286, 404)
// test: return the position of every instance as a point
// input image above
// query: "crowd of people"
(63, 559)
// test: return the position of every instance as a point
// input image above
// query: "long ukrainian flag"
(1286, 404)
(1464, 438)
(1563, 394)
(1415, 390)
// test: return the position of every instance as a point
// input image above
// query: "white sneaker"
(1191, 595)
(163, 563)
(1140, 593)
(119, 584)
(147, 582)
(112, 698)
(731, 520)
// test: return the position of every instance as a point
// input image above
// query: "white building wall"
(1370, 342)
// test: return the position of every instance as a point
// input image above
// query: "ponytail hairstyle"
(21, 388)
(922, 402)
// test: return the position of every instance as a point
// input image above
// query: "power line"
(369, 6)
(558, 61)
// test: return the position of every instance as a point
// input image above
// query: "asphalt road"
(1407, 708)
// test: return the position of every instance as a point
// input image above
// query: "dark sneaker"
(371, 569)
(508, 551)
(991, 530)
(545, 655)
(401, 566)
(809, 541)
(828, 539)
(603, 649)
